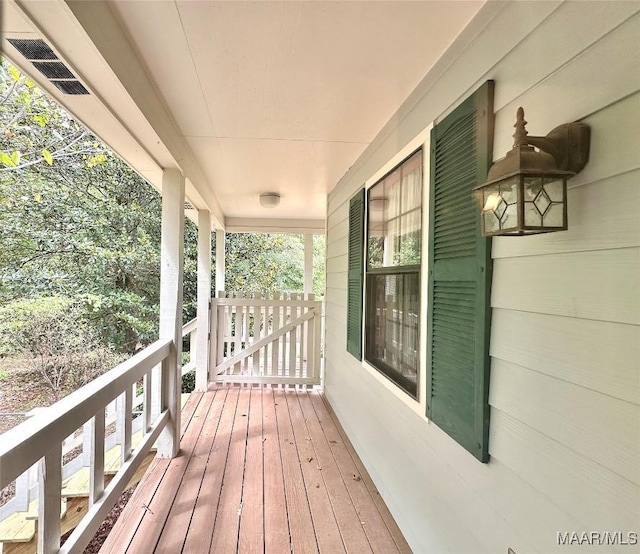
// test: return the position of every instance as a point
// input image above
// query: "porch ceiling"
(246, 97)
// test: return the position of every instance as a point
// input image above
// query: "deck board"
(349, 523)
(200, 530)
(251, 537)
(322, 513)
(276, 522)
(260, 469)
(303, 537)
(229, 513)
(175, 529)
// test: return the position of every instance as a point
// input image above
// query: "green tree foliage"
(264, 263)
(75, 220)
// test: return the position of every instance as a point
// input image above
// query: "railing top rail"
(189, 327)
(266, 302)
(25, 444)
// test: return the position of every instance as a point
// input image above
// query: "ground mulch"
(103, 531)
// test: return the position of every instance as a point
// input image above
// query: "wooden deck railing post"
(200, 345)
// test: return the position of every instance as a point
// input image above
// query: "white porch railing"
(42, 436)
(26, 488)
(262, 340)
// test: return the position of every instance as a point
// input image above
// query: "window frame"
(400, 383)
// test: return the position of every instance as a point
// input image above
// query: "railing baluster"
(268, 350)
(276, 344)
(128, 418)
(193, 339)
(123, 424)
(50, 485)
(21, 498)
(245, 331)
(222, 328)
(286, 341)
(293, 341)
(317, 341)
(213, 339)
(96, 466)
(147, 384)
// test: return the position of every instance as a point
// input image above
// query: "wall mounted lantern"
(526, 191)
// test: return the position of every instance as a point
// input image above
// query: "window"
(394, 238)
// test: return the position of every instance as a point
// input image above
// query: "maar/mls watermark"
(598, 538)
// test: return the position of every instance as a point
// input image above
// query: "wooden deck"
(259, 470)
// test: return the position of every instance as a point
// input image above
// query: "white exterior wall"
(565, 337)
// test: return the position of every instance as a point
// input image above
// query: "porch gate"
(266, 340)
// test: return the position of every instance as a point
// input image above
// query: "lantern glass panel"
(499, 209)
(510, 217)
(532, 217)
(532, 187)
(554, 216)
(491, 222)
(554, 189)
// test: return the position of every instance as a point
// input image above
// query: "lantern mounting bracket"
(568, 144)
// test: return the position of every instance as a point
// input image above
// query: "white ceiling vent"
(44, 59)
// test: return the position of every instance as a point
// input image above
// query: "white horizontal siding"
(595, 425)
(591, 354)
(586, 28)
(336, 280)
(601, 284)
(337, 248)
(565, 337)
(337, 264)
(596, 496)
(616, 77)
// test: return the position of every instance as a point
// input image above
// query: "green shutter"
(460, 275)
(355, 276)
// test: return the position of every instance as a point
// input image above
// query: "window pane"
(393, 327)
(392, 186)
(410, 240)
(395, 217)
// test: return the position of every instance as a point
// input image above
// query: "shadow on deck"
(259, 470)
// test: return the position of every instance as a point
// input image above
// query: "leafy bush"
(16, 316)
(64, 347)
(189, 381)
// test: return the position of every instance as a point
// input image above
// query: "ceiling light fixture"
(269, 199)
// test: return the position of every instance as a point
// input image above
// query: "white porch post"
(171, 269)
(220, 259)
(204, 297)
(308, 264)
